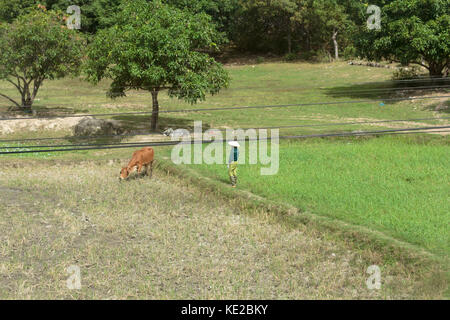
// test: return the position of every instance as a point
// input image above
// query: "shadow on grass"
(39, 111)
(440, 107)
(133, 122)
(390, 89)
(136, 125)
(224, 180)
(134, 176)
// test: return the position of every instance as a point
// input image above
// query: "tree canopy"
(35, 47)
(412, 31)
(96, 14)
(154, 46)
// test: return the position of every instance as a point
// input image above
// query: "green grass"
(396, 185)
(21, 147)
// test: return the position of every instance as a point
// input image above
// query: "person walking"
(232, 162)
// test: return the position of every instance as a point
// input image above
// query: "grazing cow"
(141, 158)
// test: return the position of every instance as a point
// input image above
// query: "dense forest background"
(295, 28)
(414, 31)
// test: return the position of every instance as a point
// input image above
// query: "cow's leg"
(151, 169)
(146, 170)
(139, 168)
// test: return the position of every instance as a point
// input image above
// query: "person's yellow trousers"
(232, 172)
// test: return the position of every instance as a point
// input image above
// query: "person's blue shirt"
(234, 155)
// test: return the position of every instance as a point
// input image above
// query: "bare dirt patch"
(376, 122)
(33, 125)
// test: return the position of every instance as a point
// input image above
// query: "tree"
(153, 47)
(95, 14)
(412, 32)
(35, 47)
(332, 20)
(11, 9)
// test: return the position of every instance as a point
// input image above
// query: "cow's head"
(124, 173)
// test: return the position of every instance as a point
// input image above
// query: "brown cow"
(141, 158)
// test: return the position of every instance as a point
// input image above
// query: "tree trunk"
(436, 69)
(329, 55)
(336, 47)
(155, 111)
(308, 38)
(289, 40)
(27, 96)
(27, 102)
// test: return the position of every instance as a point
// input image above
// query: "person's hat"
(234, 144)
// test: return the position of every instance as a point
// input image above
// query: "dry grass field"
(166, 239)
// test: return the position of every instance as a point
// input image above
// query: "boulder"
(96, 127)
(168, 132)
(176, 134)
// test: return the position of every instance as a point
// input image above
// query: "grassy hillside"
(263, 84)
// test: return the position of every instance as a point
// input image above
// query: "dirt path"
(161, 238)
(34, 125)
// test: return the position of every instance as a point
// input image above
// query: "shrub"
(290, 57)
(260, 60)
(405, 73)
(349, 52)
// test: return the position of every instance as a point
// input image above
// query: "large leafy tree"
(412, 31)
(154, 47)
(35, 47)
